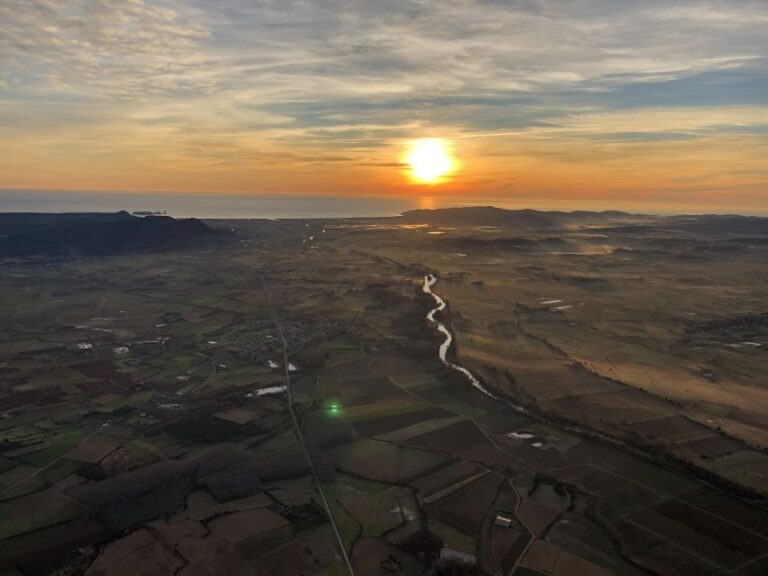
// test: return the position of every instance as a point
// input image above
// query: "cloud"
(233, 82)
(125, 48)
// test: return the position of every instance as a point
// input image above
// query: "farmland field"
(232, 410)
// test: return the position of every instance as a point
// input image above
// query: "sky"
(565, 104)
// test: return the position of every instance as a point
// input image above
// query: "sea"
(228, 205)
(213, 205)
(204, 205)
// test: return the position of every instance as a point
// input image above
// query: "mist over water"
(205, 205)
(214, 205)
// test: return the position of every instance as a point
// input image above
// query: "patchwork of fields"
(145, 425)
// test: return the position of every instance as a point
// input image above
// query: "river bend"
(429, 281)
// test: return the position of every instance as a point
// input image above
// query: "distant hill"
(720, 224)
(706, 224)
(492, 216)
(23, 234)
(587, 215)
(481, 216)
(504, 243)
(612, 221)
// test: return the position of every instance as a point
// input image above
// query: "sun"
(430, 160)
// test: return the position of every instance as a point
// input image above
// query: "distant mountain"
(706, 224)
(481, 216)
(720, 224)
(23, 234)
(604, 215)
(524, 244)
(612, 221)
(492, 216)
(627, 229)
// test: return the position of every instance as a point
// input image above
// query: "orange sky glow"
(298, 99)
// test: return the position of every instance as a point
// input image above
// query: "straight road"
(295, 420)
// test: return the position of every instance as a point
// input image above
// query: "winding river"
(429, 281)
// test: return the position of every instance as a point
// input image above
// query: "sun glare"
(430, 160)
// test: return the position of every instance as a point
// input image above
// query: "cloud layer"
(288, 95)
